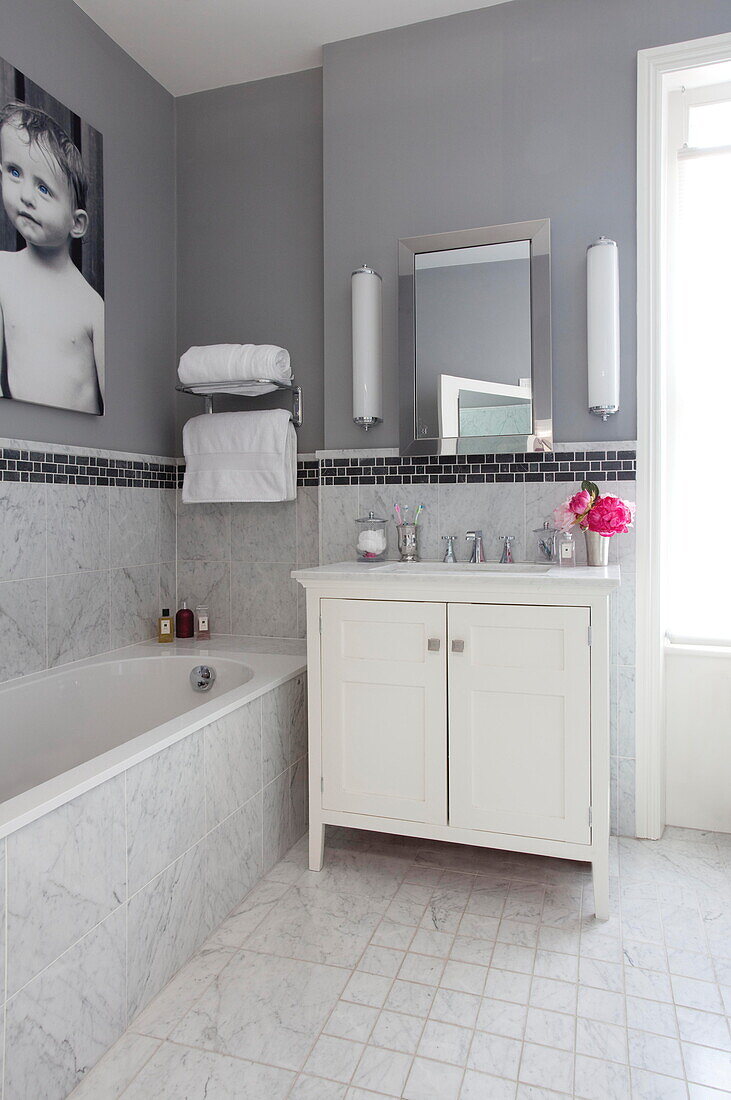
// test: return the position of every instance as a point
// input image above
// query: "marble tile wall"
(237, 558)
(84, 567)
(109, 895)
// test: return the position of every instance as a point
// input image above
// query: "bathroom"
(202, 893)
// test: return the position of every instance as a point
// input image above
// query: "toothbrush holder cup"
(408, 541)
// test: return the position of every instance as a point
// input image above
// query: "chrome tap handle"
(449, 552)
(478, 552)
(506, 557)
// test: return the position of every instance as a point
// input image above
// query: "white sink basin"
(516, 569)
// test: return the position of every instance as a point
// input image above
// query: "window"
(697, 367)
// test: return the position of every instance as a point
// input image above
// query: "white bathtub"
(135, 814)
(65, 731)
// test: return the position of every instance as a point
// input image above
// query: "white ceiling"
(192, 45)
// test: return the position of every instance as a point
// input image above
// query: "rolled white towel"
(200, 366)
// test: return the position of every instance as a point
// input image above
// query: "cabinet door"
(519, 720)
(384, 709)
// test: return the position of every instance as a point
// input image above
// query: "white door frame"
(654, 71)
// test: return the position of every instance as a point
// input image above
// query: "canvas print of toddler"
(51, 317)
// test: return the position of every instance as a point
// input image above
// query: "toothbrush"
(397, 510)
(418, 513)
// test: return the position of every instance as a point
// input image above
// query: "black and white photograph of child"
(51, 251)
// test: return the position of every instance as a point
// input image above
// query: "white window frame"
(658, 71)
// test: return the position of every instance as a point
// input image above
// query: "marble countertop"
(394, 573)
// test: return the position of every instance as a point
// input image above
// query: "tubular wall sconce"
(602, 325)
(365, 285)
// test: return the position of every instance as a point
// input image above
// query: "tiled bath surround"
(87, 552)
(109, 895)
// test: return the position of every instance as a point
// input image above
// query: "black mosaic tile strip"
(57, 468)
(486, 469)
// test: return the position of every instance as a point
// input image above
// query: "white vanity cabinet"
(471, 708)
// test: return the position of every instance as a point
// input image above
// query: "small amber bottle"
(165, 626)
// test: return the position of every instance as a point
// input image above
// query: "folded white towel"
(240, 456)
(231, 362)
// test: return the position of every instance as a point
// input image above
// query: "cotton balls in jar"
(371, 543)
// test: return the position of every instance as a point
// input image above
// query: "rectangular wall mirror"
(475, 340)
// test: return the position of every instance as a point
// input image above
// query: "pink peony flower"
(610, 516)
(580, 502)
(563, 517)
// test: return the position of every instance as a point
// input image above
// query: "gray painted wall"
(524, 110)
(60, 48)
(250, 228)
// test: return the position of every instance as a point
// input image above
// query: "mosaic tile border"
(60, 468)
(484, 469)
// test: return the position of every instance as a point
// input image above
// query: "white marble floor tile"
(552, 1029)
(111, 1076)
(367, 989)
(410, 997)
(334, 1058)
(599, 1080)
(181, 993)
(553, 1069)
(381, 960)
(393, 974)
(653, 1086)
(479, 1086)
(495, 1054)
(432, 1081)
(307, 1087)
(248, 915)
(707, 1067)
(395, 1031)
(454, 1007)
(502, 1018)
(391, 934)
(178, 1071)
(445, 1042)
(383, 1071)
(704, 1028)
(322, 926)
(264, 1008)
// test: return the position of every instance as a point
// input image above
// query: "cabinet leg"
(600, 882)
(317, 845)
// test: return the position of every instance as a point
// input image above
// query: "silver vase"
(597, 548)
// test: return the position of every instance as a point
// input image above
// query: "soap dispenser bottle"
(184, 621)
(165, 626)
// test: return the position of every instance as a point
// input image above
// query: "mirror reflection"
(473, 341)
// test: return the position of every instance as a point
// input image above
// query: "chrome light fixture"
(367, 324)
(602, 325)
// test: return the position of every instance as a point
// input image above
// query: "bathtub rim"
(270, 669)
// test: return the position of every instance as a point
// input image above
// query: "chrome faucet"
(449, 552)
(478, 550)
(506, 558)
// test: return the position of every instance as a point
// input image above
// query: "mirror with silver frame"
(475, 340)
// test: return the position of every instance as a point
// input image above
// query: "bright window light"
(709, 125)
(698, 499)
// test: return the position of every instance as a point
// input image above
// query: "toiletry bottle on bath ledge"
(184, 621)
(165, 626)
(202, 623)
